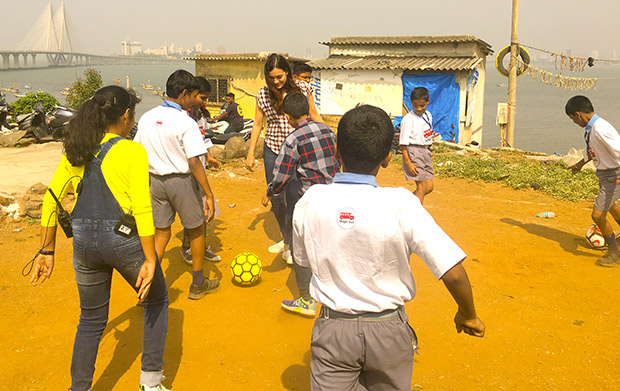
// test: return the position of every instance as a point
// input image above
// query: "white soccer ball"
(595, 237)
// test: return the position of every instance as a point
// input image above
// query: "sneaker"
(276, 248)
(300, 306)
(209, 255)
(186, 252)
(197, 292)
(610, 259)
(286, 255)
(160, 387)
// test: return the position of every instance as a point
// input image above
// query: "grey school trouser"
(361, 354)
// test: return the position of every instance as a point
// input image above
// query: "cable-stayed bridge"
(49, 38)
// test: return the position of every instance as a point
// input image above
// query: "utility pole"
(512, 76)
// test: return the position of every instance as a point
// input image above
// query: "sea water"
(541, 124)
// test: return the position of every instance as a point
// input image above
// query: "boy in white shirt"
(357, 238)
(603, 148)
(416, 138)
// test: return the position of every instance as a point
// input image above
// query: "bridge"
(49, 39)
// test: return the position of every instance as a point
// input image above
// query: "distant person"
(174, 145)
(357, 238)
(110, 177)
(603, 149)
(199, 113)
(416, 138)
(233, 114)
(308, 154)
(302, 71)
(279, 79)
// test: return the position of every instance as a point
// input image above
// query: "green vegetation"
(83, 89)
(25, 104)
(514, 170)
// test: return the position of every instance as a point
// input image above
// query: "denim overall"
(97, 251)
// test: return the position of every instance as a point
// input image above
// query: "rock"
(235, 148)
(24, 142)
(5, 199)
(258, 150)
(38, 188)
(11, 139)
(217, 152)
(34, 208)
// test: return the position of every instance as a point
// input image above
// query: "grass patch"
(518, 172)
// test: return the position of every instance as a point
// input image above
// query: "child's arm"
(198, 171)
(413, 170)
(466, 320)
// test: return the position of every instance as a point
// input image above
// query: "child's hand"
(413, 170)
(473, 327)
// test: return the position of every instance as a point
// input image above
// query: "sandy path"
(551, 314)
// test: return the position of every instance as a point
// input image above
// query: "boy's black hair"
(296, 105)
(301, 67)
(179, 81)
(364, 138)
(231, 95)
(579, 103)
(419, 93)
(203, 85)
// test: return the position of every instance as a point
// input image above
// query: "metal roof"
(404, 40)
(435, 63)
(262, 56)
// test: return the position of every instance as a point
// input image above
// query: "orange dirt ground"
(551, 319)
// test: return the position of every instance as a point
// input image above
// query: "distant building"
(130, 48)
(382, 71)
(198, 47)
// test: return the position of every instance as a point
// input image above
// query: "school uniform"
(170, 138)
(603, 147)
(357, 238)
(416, 133)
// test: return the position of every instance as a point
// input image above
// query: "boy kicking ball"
(356, 238)
(603, 148)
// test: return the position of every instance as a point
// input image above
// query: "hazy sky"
(295, 26)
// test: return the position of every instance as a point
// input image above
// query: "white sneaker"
(276, 248)
(160, 387)
(286, 255)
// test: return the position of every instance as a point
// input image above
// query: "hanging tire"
(499, 61)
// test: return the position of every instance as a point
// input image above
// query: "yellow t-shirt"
(126, 171)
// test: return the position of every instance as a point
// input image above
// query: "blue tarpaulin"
(444, 101)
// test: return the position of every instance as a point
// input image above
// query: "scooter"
(4, 112)
(221, 138)
(35, 124)
(59, 120)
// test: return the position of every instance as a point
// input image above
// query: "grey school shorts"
(422, 158)
(361, 355)
(176, 193)
(609, 188)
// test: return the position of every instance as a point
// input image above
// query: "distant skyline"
(298, 27)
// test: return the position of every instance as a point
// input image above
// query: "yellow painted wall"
(244, 74)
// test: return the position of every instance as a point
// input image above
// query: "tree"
(83, 89)
(25, 104)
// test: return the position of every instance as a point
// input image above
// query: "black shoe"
(197, 292)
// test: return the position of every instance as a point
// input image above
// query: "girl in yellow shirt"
(112, 224)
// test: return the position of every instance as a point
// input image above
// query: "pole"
(127, 81)
(512, 76)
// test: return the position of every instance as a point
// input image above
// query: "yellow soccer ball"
(246, 268)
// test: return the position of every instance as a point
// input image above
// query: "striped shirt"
(277, 125)
(307, 152)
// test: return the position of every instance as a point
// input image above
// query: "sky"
(297, 27)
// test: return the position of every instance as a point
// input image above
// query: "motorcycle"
(4, 112)
(215, 132)
(35, 124)
(59, 120)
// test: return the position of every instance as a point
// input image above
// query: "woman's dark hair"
(364, 138)
(87, 128)
(578, 103)
(277, 96)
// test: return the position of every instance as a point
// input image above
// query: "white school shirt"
(357, 239)
(170, 138)
(604, 144)
(416, 129)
